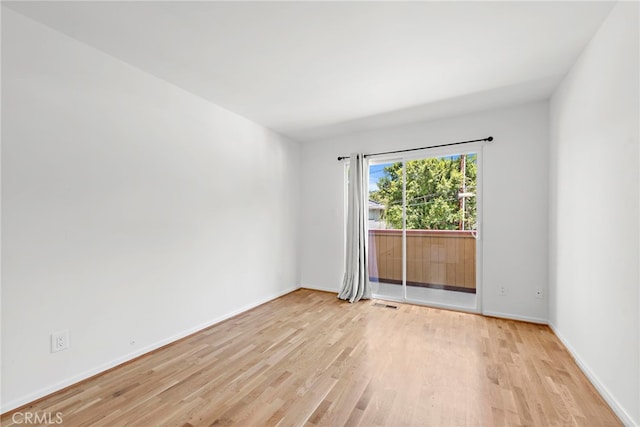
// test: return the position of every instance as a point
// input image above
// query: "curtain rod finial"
(490, 139)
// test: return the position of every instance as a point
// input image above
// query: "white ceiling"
(312, 70)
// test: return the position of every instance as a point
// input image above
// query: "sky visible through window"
(375, 173)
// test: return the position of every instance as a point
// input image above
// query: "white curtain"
(355, 285)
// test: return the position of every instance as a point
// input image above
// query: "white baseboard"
(593, 378)
(516, 317)
(320, 288)
(16, 403)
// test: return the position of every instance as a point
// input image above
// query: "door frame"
(475, 148)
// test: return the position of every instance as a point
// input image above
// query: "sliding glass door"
(423, 221)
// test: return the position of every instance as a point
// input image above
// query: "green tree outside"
(433, 186)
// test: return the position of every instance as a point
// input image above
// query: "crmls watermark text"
(37, 418)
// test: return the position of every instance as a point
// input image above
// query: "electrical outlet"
(59, 341)
(502, 290)
(539, 293)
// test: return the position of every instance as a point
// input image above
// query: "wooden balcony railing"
(435, 258)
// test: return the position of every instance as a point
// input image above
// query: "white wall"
(132, 211)
(515, 190)
(594, 213)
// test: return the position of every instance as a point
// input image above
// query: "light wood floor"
(310, 359)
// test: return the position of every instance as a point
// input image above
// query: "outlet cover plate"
(59, 341)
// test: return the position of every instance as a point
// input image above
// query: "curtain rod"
(489, 139)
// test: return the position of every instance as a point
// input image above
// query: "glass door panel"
(385, 230)
(440, 228)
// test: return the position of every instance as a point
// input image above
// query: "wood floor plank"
(310, 359)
